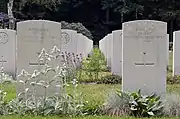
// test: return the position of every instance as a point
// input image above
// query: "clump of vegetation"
(110, 79)
(145, 106)
(173, 79)
(93, 66)
(92, 110)
(172, 105)
(135, 104)
(117, 104)
(170, 46)
(29, 102)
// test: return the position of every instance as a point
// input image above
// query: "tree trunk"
(10, 14)
(136, 14)
(171, 29)
(122, 17)
(107, 16)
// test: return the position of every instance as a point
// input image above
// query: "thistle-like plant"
(23, 78)
(44, 78)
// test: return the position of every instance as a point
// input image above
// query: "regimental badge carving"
(3, 38)
(141, 28)
(65, 38)
(145, 28)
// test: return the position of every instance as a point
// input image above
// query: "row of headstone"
(111, 47)
(139, 53)
(176, 54)
(8, 50)
(20, 50)
(113, 51)
(85, 45)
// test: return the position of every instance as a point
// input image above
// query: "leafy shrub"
(135, 104)
(169, 69)
(77, 27)
(172, 105)
(145, 106)
(94, 64)
(91, 110)
(173, 79)
(110, 79)
(45, 107)
(170, 46)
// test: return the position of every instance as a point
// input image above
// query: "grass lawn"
(95, 94)
(170, 64)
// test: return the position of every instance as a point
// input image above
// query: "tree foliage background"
(100, 16)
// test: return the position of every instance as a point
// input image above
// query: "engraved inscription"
(145, 37)
(143, 62)
(39, 34)
(36, 64)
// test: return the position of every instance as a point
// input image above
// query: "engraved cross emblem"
(2, 61)
(145, 45)
(144, 63)
(38, 63)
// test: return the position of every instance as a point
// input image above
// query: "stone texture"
(167, 49)
(109, 49)
(84, 45)
(176, 56)
(8, 51)
(32, 36)
(70, 36)
(116, 57)
(144, 56)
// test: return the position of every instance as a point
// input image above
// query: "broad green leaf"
(151, 113)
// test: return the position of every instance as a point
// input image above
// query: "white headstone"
(82, 45)
(108, 49)
(32, 36)
(102, 46)
(8, 51)
(116, 55)
(167, 49)
(176, 56)
(144, 56)
(70, 40)
(89, 45)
